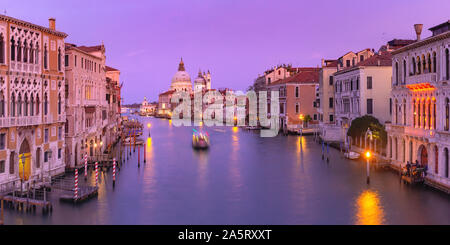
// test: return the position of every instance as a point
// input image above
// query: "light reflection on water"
(244, 179)
(369, 209)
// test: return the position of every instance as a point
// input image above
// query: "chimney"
(418, 28)
(51, 23)
(323, 62)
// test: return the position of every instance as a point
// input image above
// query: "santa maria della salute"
(181, 81)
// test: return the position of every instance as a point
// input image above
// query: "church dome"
(181, 80)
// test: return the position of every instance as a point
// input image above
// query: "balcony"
(20, 121)
(421, 78)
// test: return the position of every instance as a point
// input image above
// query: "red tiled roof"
(91, 48)
(167, 92)
(109, 68)
(331, 63)
(307, 75)
(380, 59)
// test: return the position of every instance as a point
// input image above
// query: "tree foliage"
(360, 125)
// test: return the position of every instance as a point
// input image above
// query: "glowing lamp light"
(101, 142)
(301, 117)
(148, 125)
(95, 145)
(368, 154)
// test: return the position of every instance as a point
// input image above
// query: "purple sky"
(235, 39)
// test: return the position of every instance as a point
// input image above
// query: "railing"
(20, 121)
(421, 78)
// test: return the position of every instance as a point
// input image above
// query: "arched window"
(19, 105)
(19, 51)
(436, 159)
(396, 73)
(434, 62)
(36, 60)
(447, 114)
(2, 104)
(418, 65)
(446, 162)
(404, 150)
(13, 105)
(404, 71)
(390, 147)
(25, 106)
(45, 104)
(59, 59)
(25, 51)
(428, 113)
(13, 49)
(424, 64)
(31, 53)
(423, 113)
(2, 49)
(413, 66)
(447, 64)
(38, 105)
(396, 111)
(404, 112)
(429, 63)
(434, 113)
(419, 113)
(59, 104)
(31, 105)
(414, 112)
(45, 56)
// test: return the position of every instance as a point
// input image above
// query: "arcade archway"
(423, 156)
(24, 161)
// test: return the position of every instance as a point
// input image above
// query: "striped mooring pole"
(96, 173)
(114, 172)
(139, 156)
(76, 185)
(85, 166)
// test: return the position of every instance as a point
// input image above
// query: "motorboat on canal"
(352, 155)
(200, 140)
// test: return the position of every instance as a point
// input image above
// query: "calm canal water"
(245, 179)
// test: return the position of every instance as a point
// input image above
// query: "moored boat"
(200, 140)
(352, 155)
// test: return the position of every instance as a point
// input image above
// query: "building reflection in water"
(369, 210)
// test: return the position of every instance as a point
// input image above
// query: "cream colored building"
(86, 107)
(420, 105)
(32, 114)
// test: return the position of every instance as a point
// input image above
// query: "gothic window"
(25, 52)
(45, 104)
(413, 66)
(404, 71)
(447, 65)
(429, 63)
(423, 113)
(13, 49)
(13, 105)
(418, 65)
(19, 105)
(428, 113)
(436, 159)
(446, 162)
(59, 104)
(38, 105)
(396, 73)
(434, 114)
(396, 111)
(2, 49)
(36, 60)
(31, 53)
(2, 104)
(25, 106)
(19, 51)
(31, 105)
(434, 62)
(419, 113)
(45, 56)
(59, 59)
(447, 114)
(404, 112)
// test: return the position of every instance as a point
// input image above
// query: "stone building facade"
(420, 105)
(32, 114)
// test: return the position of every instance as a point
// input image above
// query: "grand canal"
(245, 179)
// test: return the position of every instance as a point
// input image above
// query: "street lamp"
(368, 155)
(148, 126)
